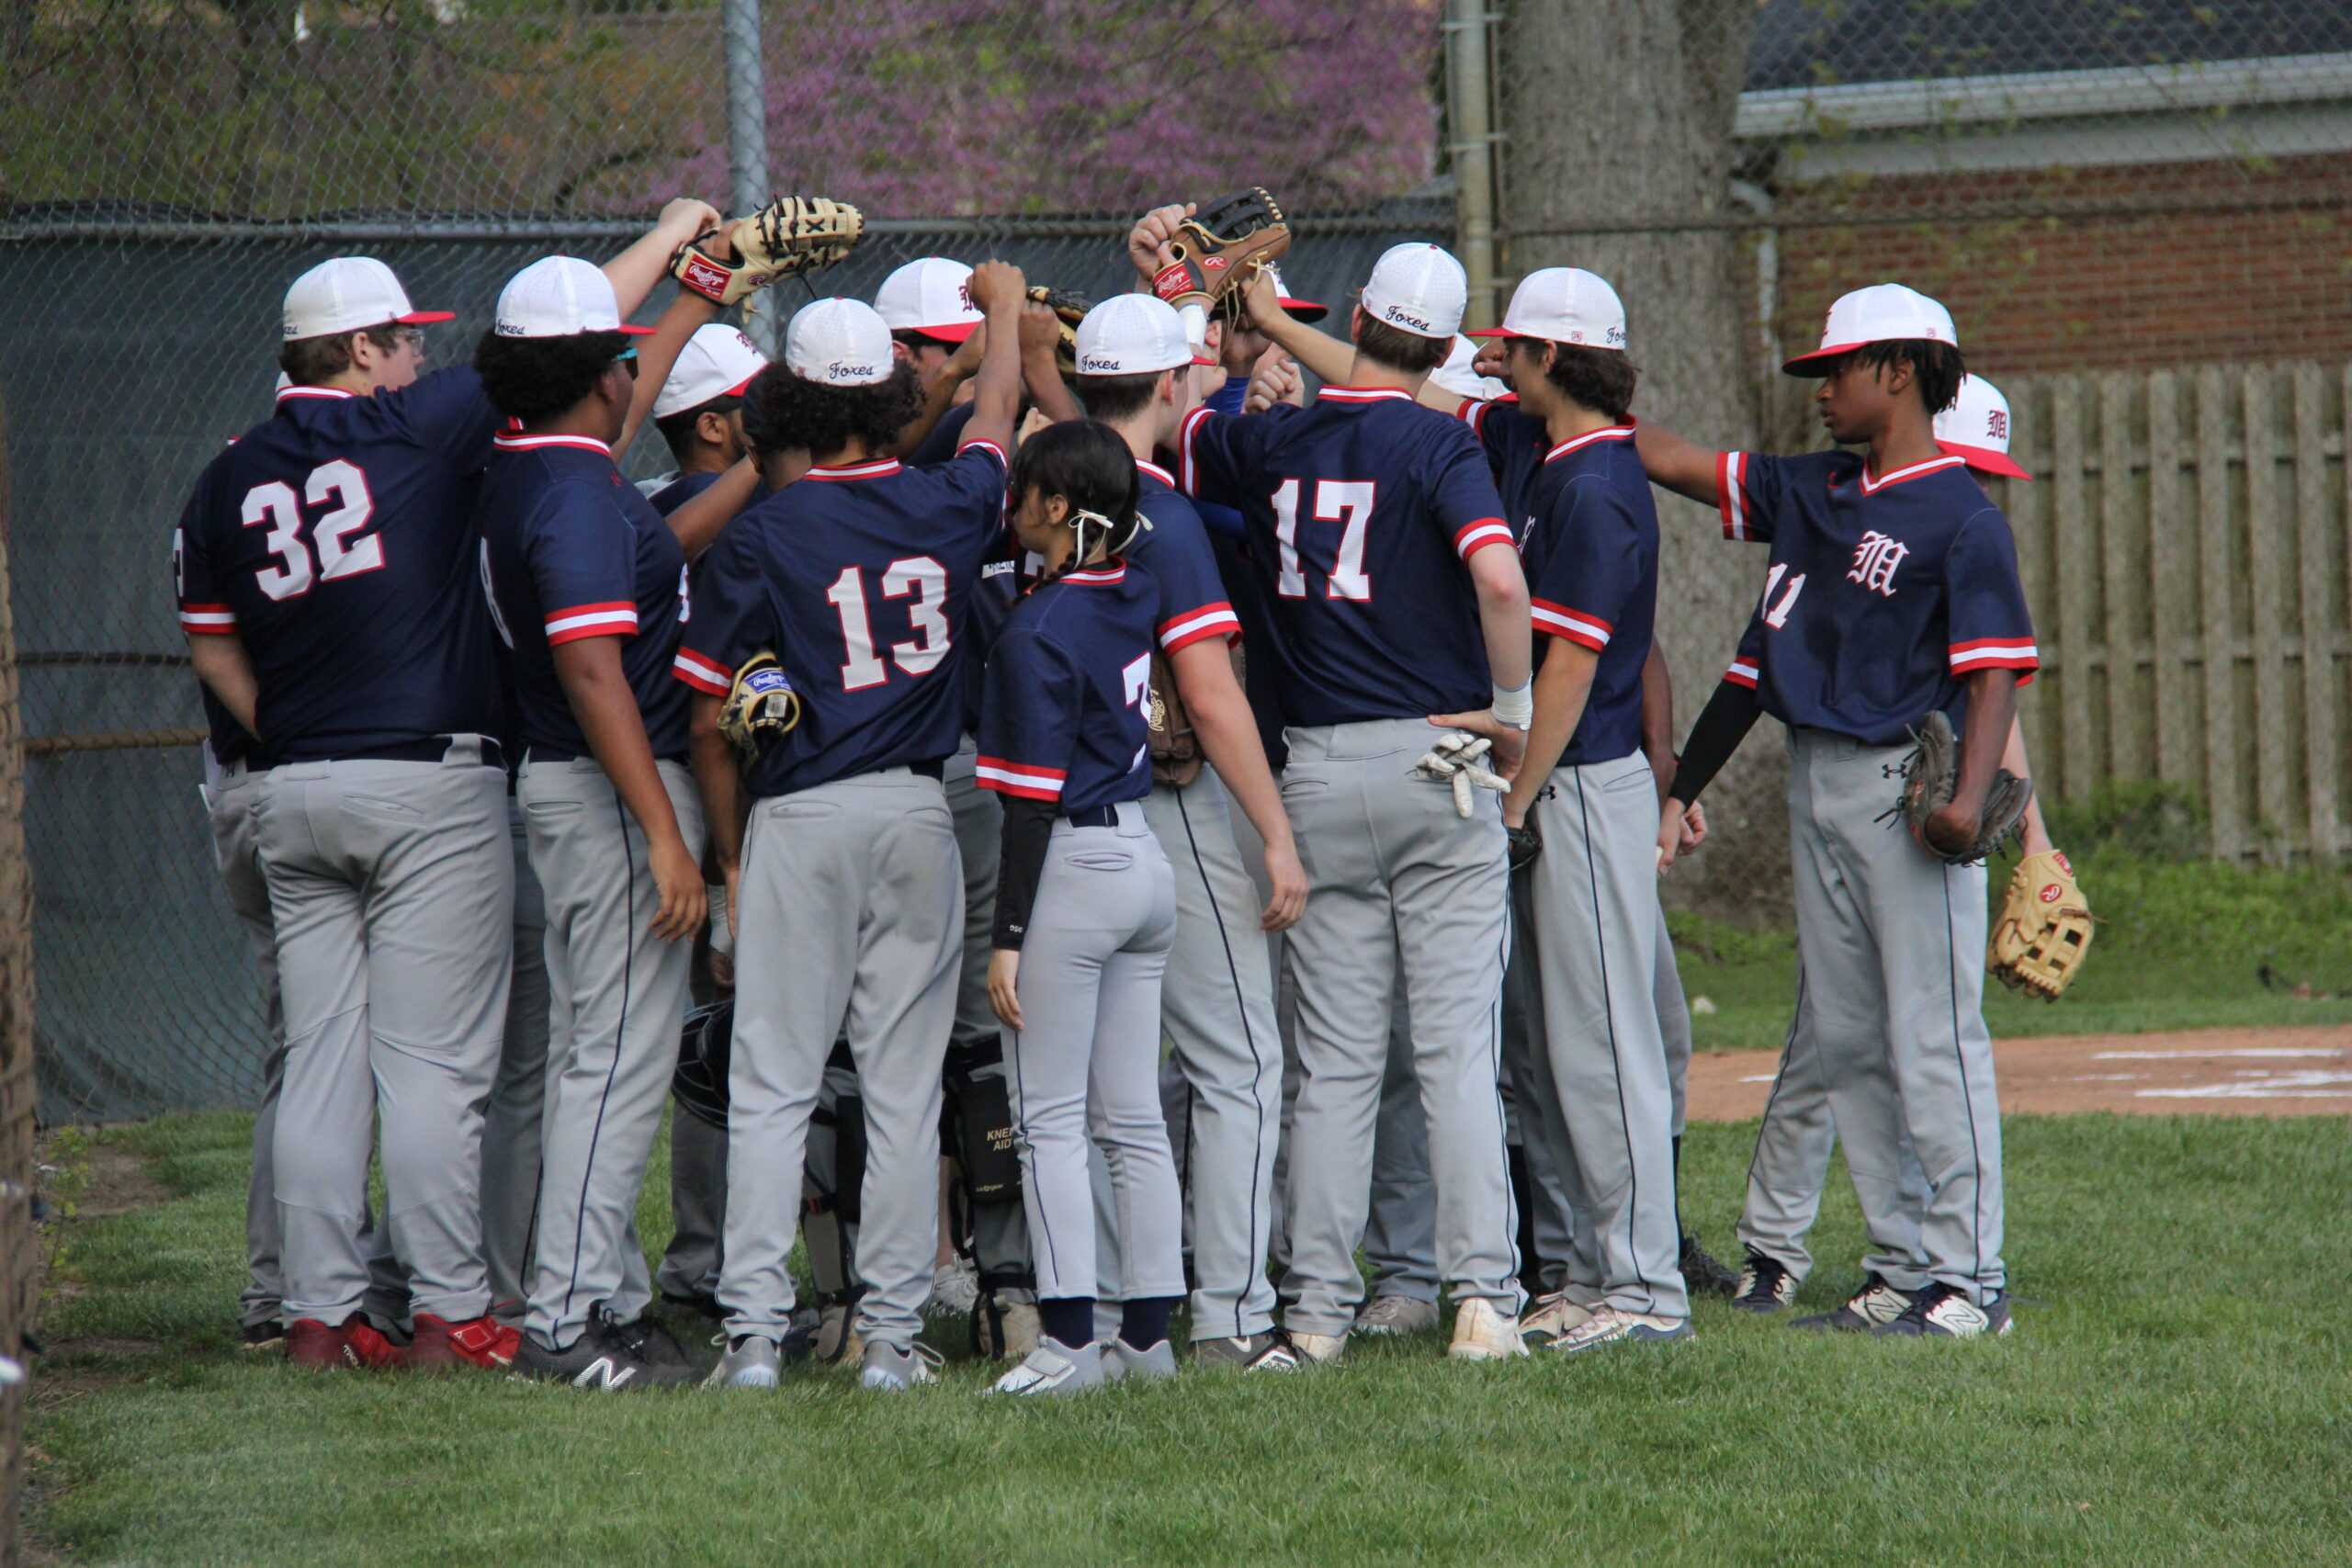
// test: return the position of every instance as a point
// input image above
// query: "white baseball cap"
(1417, 288)
(343, 294)
(560, 296)
(1134, 334)
(839, 343)
(1456, 376)
(1884, 313)
(719, 361)
(1977, 427)
(1304, 309)
(1564, 304)
(930, 295)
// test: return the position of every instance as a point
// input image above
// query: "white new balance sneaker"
(1608, 1325)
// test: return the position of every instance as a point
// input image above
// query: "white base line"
(2311, 1052)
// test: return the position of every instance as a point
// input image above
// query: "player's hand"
(722, 970)
(1040, 333)
(1147, 241)
(997, 283)
(687, 218)
(1694, 828)
(678, 880)
(965, 362)
(1288, 878)
(1949, 829)
(732, 876)
(1488, 360)
(1262, 302)
(1670, 835)
(1004, 981)
(1275, 380)
(1033, 421)
(1508, 743)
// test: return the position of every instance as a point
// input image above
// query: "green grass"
(2182, 941)
(2178, 1392)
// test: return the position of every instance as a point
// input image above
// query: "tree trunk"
(1616, 116)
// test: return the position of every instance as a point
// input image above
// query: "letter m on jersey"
(1875, 560)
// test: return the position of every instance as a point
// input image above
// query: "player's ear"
(1355, 324)
(712, 427)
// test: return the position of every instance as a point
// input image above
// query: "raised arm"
(1676, 464)
(999, 290)
(636, 270)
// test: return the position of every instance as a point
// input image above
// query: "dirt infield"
(2217, 1072)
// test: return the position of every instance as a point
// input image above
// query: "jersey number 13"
(918, 578)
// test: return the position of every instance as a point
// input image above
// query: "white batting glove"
(723, 938)
(1455, 759)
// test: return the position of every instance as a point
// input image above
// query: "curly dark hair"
(1398, 349)
(1601, 379)
(1937, 368)
(786, 411)
(532, 377)
(310, 361)
(1088, 464)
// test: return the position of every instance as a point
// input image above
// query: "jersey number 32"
(329, 552)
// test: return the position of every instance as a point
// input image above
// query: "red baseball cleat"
(357, 1344)
(481, 1342)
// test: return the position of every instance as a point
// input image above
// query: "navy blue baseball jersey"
(1174, 549)
(1516, 444)
(1062, 717)
(946, 437)
(860, 581)
(574, 552)
(335, 538)
(1590, 555)
(1362, 509)
(1885, 595)
(681, 489)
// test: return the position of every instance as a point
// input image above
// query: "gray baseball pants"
(616, 1000)
(1000, 1231)
(518, 1102)
(852, 903)
(1891, 941)
(1399, 883)
(392, 889)
(1216, 1011)
(1085, 1063)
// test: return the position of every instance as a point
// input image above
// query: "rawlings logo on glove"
(789, 236)
(2044, 930)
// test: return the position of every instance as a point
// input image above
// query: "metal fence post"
(747, 132)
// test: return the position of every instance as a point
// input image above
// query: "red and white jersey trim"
(613, 618)
(1731, 494)
(1096, 574)
(1994, 653)
(1209, 620)
(285, 393)
(1558, 620)
(1742, 673)
(1472, 537)
(991, 447)
(209, 620)
(875, 470)
(1362, 394)
(1189, 480)
(1911, 472)
(1577, 443)
(702, 673)
(1013, 778)
(1156, 471)
(506, 442)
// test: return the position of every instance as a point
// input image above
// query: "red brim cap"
(1985, 460)
(1304, 309)
(425, 317)
(1498, 331)
(636, 331)
(1205, 359)
(953, 331)
(1795, 367)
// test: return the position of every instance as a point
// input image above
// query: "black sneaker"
(650, 1341)
(1764, 1286)
(269, 1335)
(607, 1356)
(1940, 1311)
(1872, 1308)
(699, 1303)
(1701, 1275)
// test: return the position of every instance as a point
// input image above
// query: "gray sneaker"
(890, 1369)
(1266, 1352)
(1875, 1305)
(751, 1360)
(1053, 1371)
(1122, 1362)
(1398, 1316)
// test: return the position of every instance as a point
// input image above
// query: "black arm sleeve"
(1028, 825)
(1729, 715)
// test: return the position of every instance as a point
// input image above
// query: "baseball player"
(1373, 521)
(1793, 1145)
(1586, 794)
(330, 587)
(845, 885)
(1086, 907)
(699, 411)
(1893, 594)
(934, 327)
(1134, 365)
(588, 585)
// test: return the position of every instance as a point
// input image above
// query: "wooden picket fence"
(2186, 554)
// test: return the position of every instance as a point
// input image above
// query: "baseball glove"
(1175, 747)
(1217, 251)
(2044, 930)
(1069, 309)
(1526, 843)
(763, 707)
(1930, 780)
(789, 236)
(1459, 760)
